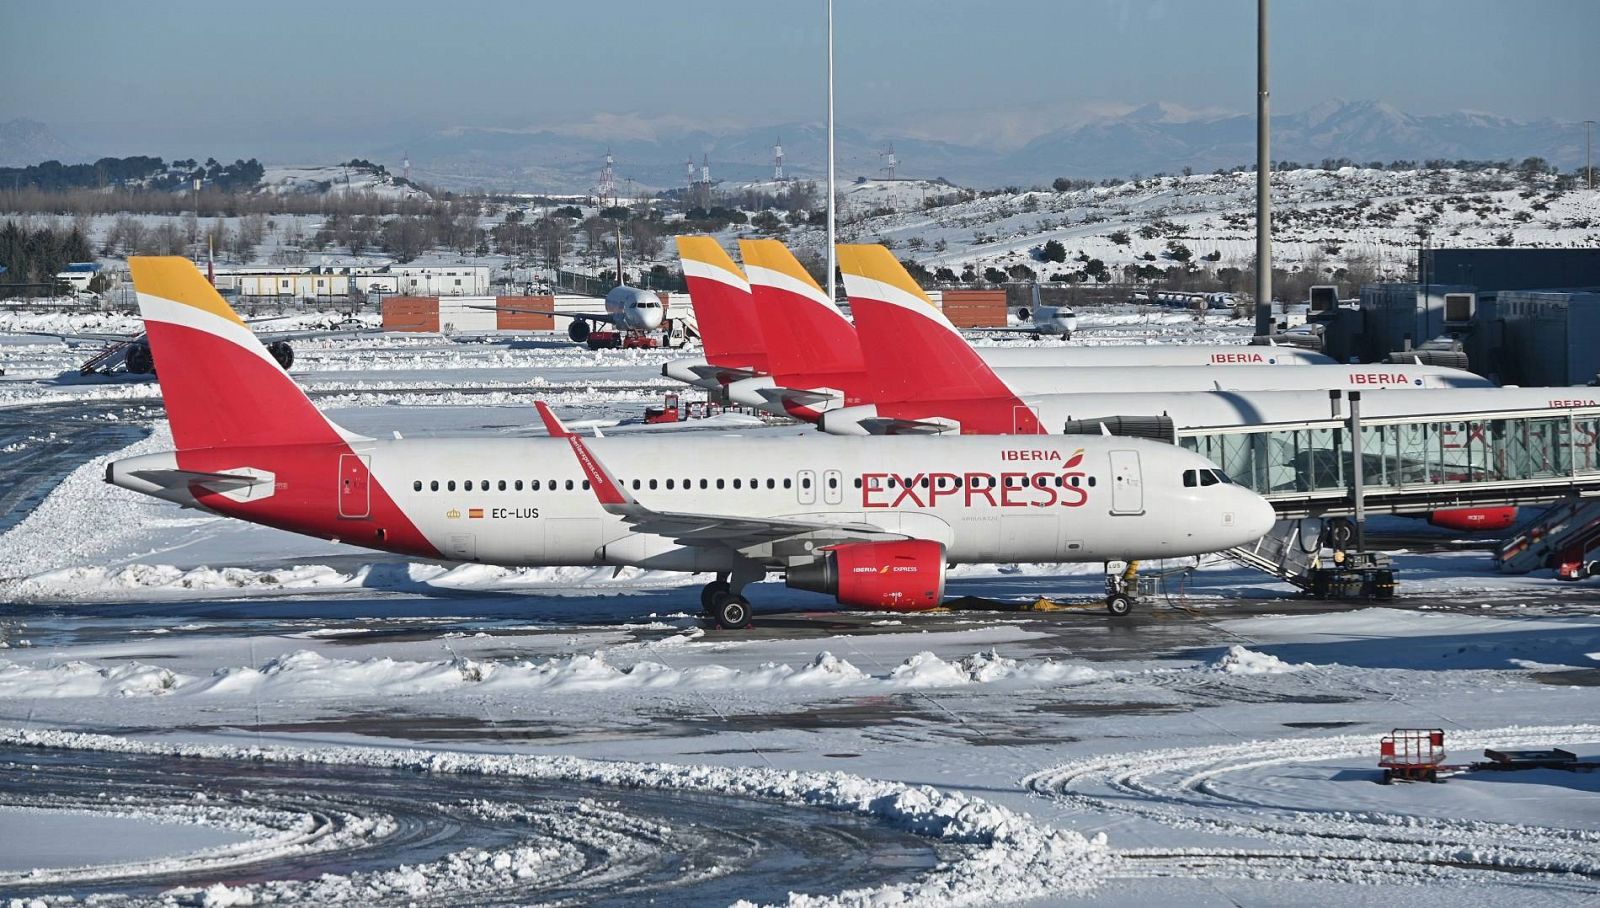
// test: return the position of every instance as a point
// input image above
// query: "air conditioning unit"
(1459, 309)
(1324, 298)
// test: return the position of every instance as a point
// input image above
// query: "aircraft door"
(832, 486)
(1127, 485)
(355, 488)
(805, 487)
(1024, 420)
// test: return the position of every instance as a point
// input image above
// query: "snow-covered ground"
(197, 711)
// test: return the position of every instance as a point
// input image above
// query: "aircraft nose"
(1255, 516)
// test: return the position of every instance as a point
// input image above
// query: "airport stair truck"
(1562, 539)
(1309, 555)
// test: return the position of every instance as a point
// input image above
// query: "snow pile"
(81, 583)
(928, 670)
(999, 854)
(309, 675)
(1241, 661)
(80, 679)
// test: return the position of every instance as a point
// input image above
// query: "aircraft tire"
(709, 594)
(731, 612)
(1119, 605)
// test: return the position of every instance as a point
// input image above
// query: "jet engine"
(900, 576)
(1474, 520)
(283, 353)
(138, 360)
(578, 330)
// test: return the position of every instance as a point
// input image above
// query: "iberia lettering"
(1379, 378)
(1003, 490)
(1237, 358)
(1573, 403)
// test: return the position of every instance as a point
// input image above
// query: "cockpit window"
(1194, 478)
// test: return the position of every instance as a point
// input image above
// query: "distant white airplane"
(131, 352)
(872, 522)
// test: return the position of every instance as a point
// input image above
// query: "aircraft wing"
(700, 529)
(268, 337)
(86, 337)
(519, 310)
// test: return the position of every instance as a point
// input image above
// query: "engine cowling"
(1474, 520)
(900, 576)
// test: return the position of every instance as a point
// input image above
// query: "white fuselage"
(987, 499)
(1030, 381)
(631, 308)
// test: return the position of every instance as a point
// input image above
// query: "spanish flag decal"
(475, 513)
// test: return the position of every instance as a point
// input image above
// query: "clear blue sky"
(174, 77)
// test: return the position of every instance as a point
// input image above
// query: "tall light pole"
(830, 152)
(1588, 168)
(1264, 323)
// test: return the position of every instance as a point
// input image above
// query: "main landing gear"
(722, 600)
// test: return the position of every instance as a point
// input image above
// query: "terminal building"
(1520, 316)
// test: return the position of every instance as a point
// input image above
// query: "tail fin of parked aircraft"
(911, 351)
(220, 385)
(806, 333)
(729, 329)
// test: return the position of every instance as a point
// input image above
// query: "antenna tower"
(608, 180)
(889, 160)
(405, 166)
(777, 160)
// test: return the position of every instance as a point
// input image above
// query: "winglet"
(551, 423)
(607, 489)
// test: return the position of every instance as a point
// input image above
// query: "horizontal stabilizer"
(886, 425)
(179, 479)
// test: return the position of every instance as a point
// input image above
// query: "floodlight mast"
(831, 266)
(1264, 323)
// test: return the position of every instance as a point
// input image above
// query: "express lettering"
(1003, 490)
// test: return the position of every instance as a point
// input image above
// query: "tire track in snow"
(1184, 788)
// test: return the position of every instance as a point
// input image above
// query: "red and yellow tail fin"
(729, 330)
(806, 333)
(911, 351)
(220, 385)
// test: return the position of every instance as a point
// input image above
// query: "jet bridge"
(1410, 464)
(1413, 465)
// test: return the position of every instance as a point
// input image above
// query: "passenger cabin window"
(416, 486)
(533, 484)
(433, 486)
(569, 485)
(736, 483)
(467, 485)
(451, 485)
(502, 485)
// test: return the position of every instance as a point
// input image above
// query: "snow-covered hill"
(336, 180)
(1322, 219)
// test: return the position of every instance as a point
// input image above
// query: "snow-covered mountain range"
(1151, 139)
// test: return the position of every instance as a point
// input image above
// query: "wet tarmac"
(596, 845)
